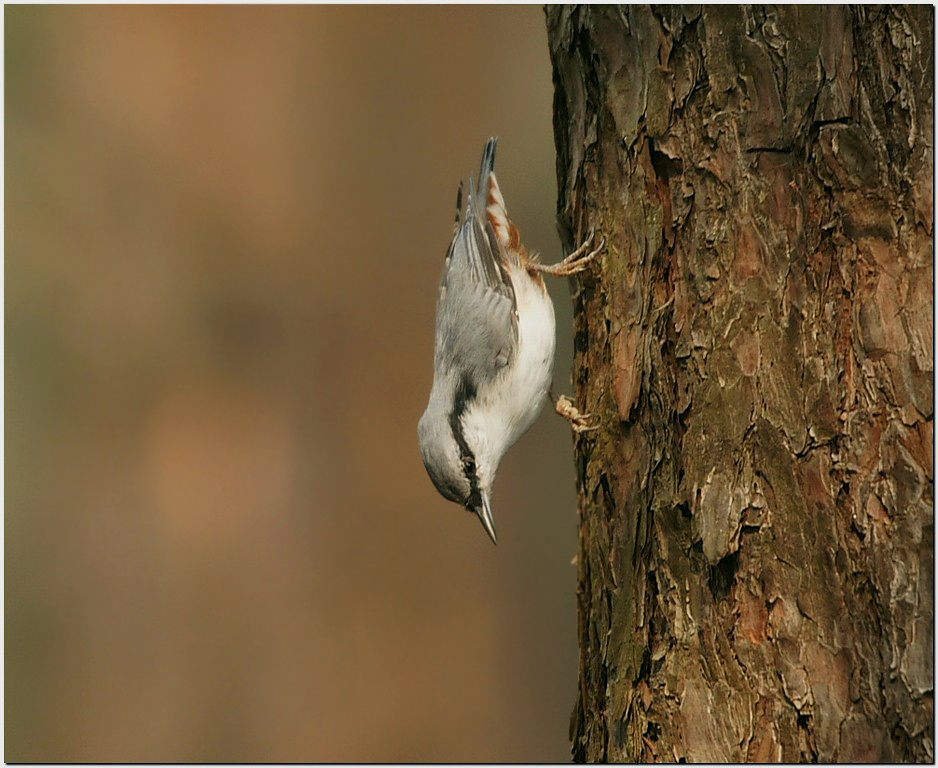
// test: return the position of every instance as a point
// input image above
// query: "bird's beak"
(484, 511)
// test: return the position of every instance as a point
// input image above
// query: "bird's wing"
(477, 323)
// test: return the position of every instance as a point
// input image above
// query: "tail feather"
(478, 196)
(488, 161)
(458, 209)
(496, 212)
(490, 240)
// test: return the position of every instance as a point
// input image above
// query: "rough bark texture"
(755, 572)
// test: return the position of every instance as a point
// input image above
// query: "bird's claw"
(576, 262)
(579, 422)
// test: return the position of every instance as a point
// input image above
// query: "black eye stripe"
(464, 395)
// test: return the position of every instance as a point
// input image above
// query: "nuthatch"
(494, 348)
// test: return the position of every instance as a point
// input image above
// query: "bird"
(493, 347)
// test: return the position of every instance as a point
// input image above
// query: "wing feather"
(477, 324)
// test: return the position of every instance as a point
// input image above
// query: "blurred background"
(225, 228)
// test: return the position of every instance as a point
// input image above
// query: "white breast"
(510, 404)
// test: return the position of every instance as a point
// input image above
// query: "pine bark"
(755, 568)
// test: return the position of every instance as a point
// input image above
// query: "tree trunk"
(755, 570)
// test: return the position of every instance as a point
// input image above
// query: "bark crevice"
(756, 509)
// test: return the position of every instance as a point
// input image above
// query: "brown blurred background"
(225, 228)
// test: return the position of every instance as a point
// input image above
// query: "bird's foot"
(575, 262)
(578, 421)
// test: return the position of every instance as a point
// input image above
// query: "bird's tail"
(496, 214)
(488, 162)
